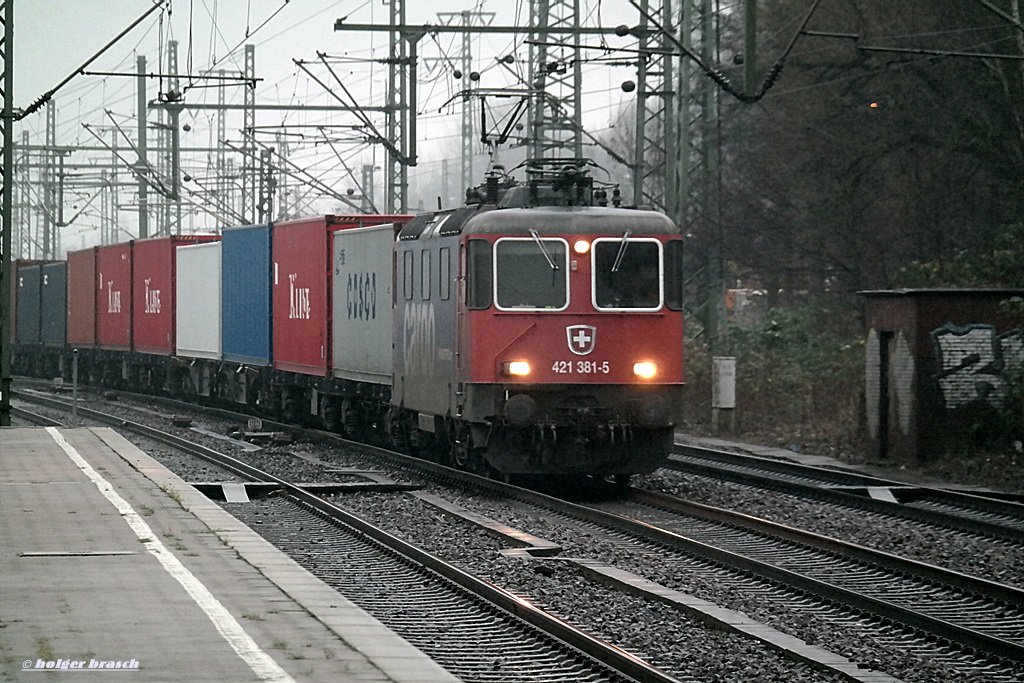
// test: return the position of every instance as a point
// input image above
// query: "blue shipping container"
(246, 311)
(54, 309)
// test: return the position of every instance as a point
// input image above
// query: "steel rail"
(36, 418)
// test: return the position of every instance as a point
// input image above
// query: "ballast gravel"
(650, 630)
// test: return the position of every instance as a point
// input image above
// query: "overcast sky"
(54, 37)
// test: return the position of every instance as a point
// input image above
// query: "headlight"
(581, 247)
(515, 368)
(645, 369)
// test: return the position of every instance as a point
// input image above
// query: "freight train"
(537, 330)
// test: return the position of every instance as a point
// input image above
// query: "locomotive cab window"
(531, 273)
(478, 274)
(627, 274)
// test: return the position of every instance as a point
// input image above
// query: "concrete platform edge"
(350, 623)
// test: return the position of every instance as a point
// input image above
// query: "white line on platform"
(262, 664)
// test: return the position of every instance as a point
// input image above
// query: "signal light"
(645, 369)
(515, 368)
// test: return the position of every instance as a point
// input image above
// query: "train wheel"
(269, 401)
(290, 406)
(329, 413)
(348, 417)
(413, 437)
(184, 384)
(622, 482)
(396, 431)
(461, 446)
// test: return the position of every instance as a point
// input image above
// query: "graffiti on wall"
(973, 362)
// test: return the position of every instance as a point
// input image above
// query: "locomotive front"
(539, 330)
(574, 332)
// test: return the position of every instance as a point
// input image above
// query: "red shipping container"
(153, 273)
(302, 289)
(81, 299)
(114, 297)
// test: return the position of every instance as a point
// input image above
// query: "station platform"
(110, 563)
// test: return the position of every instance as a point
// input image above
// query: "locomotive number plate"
(582, 367)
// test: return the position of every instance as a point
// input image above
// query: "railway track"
(887, 527)
(990, 513)
(779, 567)
(966, 610)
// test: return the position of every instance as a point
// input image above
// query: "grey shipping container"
(362, 260)
(54, 310)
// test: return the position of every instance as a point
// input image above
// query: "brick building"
(936, 362)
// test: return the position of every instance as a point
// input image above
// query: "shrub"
(799, 374)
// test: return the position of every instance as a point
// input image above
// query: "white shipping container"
(198, 292)
(361, 310)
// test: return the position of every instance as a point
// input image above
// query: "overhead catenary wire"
(48, 95)
(716, 75)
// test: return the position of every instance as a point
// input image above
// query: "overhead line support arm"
(425, 29)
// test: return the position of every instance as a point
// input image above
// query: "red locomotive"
(540, 330)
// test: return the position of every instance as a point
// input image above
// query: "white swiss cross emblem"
(581, 338)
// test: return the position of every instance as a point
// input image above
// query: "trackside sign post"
(723, 393)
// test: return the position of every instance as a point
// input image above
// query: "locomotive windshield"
(531, 273)
(627, 273)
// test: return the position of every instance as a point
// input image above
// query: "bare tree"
(883, 142)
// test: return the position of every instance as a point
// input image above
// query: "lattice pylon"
(655, 147)
(556, 76)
